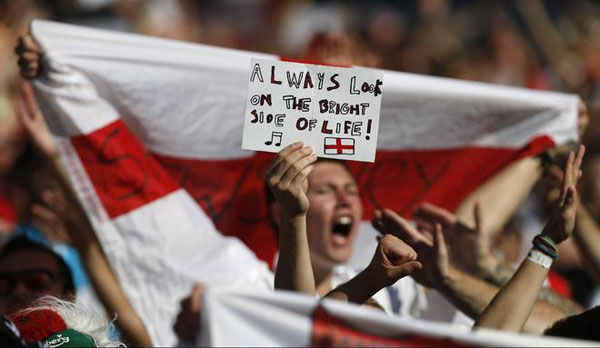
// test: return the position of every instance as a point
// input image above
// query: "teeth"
(345, 220)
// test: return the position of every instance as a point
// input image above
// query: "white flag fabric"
(151, 132)
(234, 318)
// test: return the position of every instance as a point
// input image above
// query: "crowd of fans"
(482, 260)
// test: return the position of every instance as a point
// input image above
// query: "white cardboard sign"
(333, 109)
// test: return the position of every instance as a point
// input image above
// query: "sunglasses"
(33, 280)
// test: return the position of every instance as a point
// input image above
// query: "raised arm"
(468, 293)
(472, 252)
(65, 205)
(511, 307)
(287, 178)
(499, 197)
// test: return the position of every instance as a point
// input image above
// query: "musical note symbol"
(275, 135)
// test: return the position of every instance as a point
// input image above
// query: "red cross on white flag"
(339, 146)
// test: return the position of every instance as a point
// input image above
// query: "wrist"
(287, 217)
(292, 209)
(369, 282)
(486, 266)
(449, 279)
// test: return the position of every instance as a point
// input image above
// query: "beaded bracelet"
(548, 241)
(546, 245)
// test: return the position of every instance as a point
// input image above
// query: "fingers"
(572, 171)
(283, 154)
(439, 243)
(396, 251)
(477, 217)
(298, 170)
(29, 56)
(29, 103)
(376, 222)
(399, 257)
(407, 269)
(301, 178)
(567, 178)
(27, 43)
(187, 324)
(428, 211)
(196, 298)
(395, 224)
(279, 174)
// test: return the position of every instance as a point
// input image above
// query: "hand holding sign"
(332, 109)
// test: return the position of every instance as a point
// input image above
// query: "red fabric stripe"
(125, 176)
(331, 331)
(231, 192)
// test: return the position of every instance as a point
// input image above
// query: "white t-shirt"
(405, 297)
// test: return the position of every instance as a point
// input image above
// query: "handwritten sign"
(335, 110)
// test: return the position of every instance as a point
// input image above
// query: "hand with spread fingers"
(562, 223)
(431, 251)
(393, 260)
(471, 247)
(287, 177)
(29, 57)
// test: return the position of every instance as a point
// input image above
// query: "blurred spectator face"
(27, 275)
(386, 28)
(334, 214)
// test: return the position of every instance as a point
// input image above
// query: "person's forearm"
(499, 197)
(294, 268)
(587, 238)
(469, 294)
(113, 298)
(511, 307)
(501, 274)
(357, 290)
(472, 295)
(104, 281)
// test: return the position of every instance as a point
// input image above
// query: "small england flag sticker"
(339, 146)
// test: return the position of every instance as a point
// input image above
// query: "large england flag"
(151, 134)
(241, 318)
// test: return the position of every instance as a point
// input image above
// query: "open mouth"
(341, 229)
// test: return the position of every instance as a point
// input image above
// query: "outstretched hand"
(393, 260)
(431, 250)
(287, 178)
(471, 247)
(33, 120)
(561, 224)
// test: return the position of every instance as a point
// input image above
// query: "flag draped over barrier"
(233, 318)
(151, 132)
